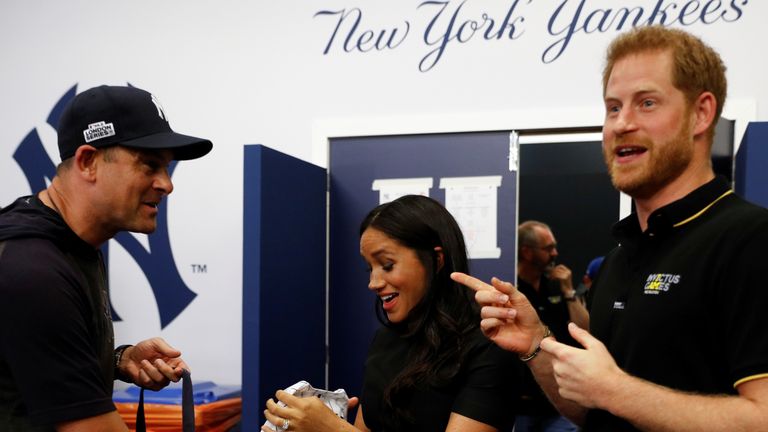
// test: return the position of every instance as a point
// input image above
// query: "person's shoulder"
(742, 214)
(34, 276)
(32, 261)
(738, 202)
(30, 251)
(28, 217)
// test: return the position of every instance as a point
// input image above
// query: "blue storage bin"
(204, 392)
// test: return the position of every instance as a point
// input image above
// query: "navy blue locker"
(751, 162)
(284, 251)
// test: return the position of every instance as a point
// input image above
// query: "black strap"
(187, 406)
(141, 422)
(187, 403)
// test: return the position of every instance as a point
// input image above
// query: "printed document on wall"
(392, 189)
(473, 201)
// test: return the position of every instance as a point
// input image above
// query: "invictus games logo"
(171, 293)
(657, 283)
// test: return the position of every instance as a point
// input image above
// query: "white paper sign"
(473, 201)
(392, 189)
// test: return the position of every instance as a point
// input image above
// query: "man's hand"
(152, 364)
(585, 376)
(508, 318)
(562, 274)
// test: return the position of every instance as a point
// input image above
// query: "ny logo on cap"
(160, 111)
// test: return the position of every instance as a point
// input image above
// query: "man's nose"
(624, 122)
(164, 183)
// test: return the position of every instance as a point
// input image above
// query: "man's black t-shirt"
(56, 339)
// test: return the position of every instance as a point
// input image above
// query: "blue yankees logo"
(171, 293)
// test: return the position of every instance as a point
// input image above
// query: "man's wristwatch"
(570, 297)
(118, 357)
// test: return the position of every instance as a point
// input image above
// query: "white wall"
(243, 72)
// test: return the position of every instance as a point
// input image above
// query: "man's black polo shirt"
(685, 303)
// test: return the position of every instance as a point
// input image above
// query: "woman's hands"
(304, 414)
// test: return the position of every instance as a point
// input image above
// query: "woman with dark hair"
(429, 367)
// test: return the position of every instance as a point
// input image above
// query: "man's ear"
(440, 258)
(86, 161)
(525, 252)
(704, 108)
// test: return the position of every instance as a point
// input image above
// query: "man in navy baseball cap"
(58, 361)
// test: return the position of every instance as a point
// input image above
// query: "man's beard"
(666, 163)
(548, 267)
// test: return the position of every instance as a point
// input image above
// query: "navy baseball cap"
(105, 116)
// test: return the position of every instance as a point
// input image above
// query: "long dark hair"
(439, 324)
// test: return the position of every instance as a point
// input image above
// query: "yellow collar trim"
(750, 378)
(703, 210)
